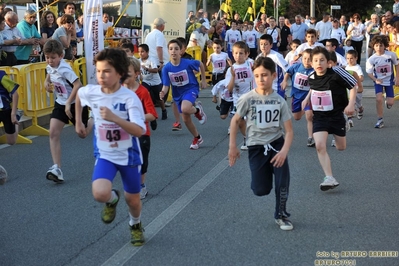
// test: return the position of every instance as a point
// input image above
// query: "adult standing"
(200, 38)
(343, 24)
(158, 47)
(30, 34)
(324, 28)
(357, 31)
(64, 34)
(338, 34)
(372, 29)
(312, 23)
(262, 21)
(70, 9)
(285, 40)
(12, 38)
(48, 24)
(274, 31)
(106, 22)
(298, 29)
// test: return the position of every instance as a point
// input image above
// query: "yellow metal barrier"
(14, 74)
(79, 66)
(36, 101)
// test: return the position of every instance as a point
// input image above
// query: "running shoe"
(350, 122)
(176, 126)
(347, 125)
(3, 175)
(379, 124)
(228, 131)
(154, 124)
(389, 106)
(196, 143)
(200, 114)
(218, 107)
(164, 115)
(54, 173)
(284, 224)
(311, 142)
(109, 212)
(137, 235)
(143, 192)
(329, 183)
(333, 142)
(244, 146)
(360, 113)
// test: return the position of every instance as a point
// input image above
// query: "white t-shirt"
(232, 36)
(107, 25)
(381, 66)
(341, 61)
(156, 39)
(356, 69)
(114, 143)
(200, 38)
(324, 30)
(305, 46)
(151, 79)
(339, 35)
(251, 38)
(62, 78)
(243, 79)
(219, 62)
(357, 32)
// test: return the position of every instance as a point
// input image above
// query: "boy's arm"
(203, 78)
(130, 127)
(306, 101)
(209, 60)
(14, 108)
(230, 85)
(47, 83)
(233, 153)
(279, 159)
(79, 126)
(163, 92)
(285, 80)
(76, 85)
(350, 108)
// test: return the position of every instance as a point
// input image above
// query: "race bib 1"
(179, 78)
(321, 100)
(112, 137)
(267, 115)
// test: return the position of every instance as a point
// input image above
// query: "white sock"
(134, 220)
(114, 197)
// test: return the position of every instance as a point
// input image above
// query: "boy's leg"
(261, 170)
(56, 127)
(131, 178)
(11, 130)
(145, 145)
(379, 99)
(320, 139)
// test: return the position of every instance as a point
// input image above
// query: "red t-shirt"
(148, 105)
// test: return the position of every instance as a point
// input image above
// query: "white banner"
(172, 11)
(94, 35)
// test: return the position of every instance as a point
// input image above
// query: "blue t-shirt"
(299, 78)
(181, 77)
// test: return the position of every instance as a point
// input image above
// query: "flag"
(263, 8)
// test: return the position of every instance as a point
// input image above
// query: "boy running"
(268, 114)
(119, 122)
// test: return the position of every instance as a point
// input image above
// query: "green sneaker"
(137, 236)
(109, 212)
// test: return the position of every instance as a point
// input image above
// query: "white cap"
(206, 25)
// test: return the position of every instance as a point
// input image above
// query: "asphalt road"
(200, 211)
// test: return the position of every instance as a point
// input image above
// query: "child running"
(61, 80)
(351, 59)
(379, 68)
(311, 37)
(299, 90)
(219, 62)
(291, 54)
(329, 99)
(266, 44)
(239, 80)
(150, 115)
(151, 80)
(119, 122)
(180, 73)
(9, 107)
(268, 114)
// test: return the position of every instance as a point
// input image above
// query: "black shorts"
(145, 145)
(59, 114)
(225, 107)
(333, 125)
(5, 117)
(216, 77)
(154, 91)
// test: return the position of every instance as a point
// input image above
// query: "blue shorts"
(190, 96)
(296, 105)
(388, 90)
(131, 176)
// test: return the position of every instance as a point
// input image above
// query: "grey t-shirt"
(61, 31)
(265, 114)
